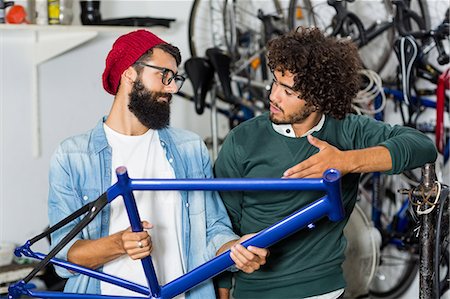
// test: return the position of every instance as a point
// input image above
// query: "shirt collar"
(288, 131)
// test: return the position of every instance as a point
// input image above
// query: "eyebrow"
(290, 87)
(284, 85)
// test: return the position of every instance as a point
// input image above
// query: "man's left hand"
(248, 259)
(314, 167)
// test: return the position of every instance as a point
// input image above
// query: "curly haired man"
(309, 123)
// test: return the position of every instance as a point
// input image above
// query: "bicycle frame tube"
(330, 205)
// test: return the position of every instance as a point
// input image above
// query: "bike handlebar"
(438, 34)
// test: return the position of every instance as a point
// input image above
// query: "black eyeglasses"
(167, 75)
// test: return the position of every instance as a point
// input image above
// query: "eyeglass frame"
(165, 71)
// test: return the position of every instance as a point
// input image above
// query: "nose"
(274, 94)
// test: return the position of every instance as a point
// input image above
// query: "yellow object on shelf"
(53, 12)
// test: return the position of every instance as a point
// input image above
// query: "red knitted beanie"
(125, 51)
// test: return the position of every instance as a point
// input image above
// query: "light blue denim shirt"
(80, 171)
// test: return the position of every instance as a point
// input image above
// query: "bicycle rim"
(318, 13)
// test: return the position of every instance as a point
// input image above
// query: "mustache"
(158, 94)
(140, 89)
(277, 106)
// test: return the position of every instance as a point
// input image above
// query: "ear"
(129, 75)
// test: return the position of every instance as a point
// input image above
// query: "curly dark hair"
(326, 69)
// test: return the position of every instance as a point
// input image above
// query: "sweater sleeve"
(227, 166)
(409, 148)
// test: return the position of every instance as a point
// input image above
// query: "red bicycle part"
(443, 84)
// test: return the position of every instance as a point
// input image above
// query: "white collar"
(288, 131)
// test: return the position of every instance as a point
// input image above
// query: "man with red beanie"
(183, 229)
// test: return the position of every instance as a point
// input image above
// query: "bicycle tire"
(201, 35)
(317, 13)
(421, 8)
(300, 14)
(405, 276)
(248, 26)
(399, 258)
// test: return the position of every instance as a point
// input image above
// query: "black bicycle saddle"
(201, 74)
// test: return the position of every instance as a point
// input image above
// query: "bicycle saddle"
(222, 64)
(201, 74)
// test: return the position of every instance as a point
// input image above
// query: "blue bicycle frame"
(330, 205)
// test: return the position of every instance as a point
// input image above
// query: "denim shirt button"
(163, 144)
(170, 160)
(187, 205)
(85, 197)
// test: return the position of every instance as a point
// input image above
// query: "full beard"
(148, 109)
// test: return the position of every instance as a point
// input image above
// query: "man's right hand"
(137, 244)
(95, 253)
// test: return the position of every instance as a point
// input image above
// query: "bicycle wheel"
(206, 26)
(421, 8)
(396, 272)
(399, 256)
(217, 23)
(318, 13)
(248, 26)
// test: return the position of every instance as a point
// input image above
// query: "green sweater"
(309, 262)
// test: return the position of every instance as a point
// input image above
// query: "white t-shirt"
(144, 157)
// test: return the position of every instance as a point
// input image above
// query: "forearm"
(95, 253)
(223, 293)
(371, 159)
